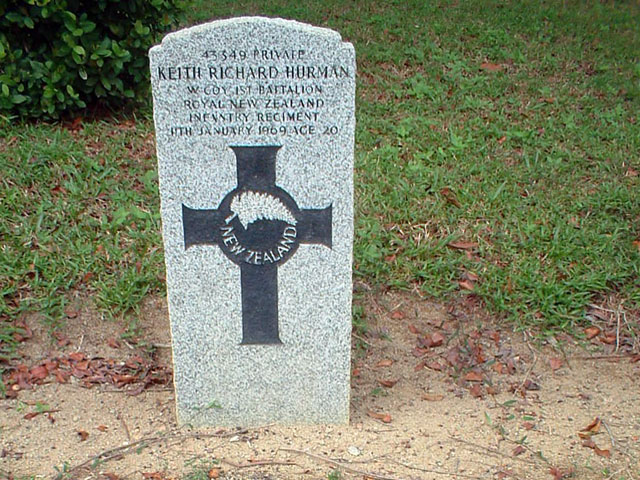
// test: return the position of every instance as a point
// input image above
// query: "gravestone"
(254, 122)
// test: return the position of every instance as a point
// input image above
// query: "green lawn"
(507, 129)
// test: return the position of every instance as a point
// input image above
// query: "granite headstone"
(254, 121)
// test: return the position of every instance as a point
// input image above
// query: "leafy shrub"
(60, 55)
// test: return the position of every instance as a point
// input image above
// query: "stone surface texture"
(255, 81)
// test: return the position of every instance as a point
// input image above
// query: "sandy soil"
(437, 393)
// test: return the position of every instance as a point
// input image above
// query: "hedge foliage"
(60, 55)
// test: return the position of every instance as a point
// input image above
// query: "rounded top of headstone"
(252, 25)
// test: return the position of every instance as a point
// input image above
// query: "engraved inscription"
(267, 92)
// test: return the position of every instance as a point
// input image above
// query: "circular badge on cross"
(258, 226)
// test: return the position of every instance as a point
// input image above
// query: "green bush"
(60, 55)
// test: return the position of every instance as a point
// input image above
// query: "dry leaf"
(502, 139)
(501, 475)
(61, 377)
(609, 338)
(70, 312)
(31, 415)
(83, 435)
(555, 363)
(453, 357)
(398, 315)
(490, 67)
(462, 245)
(476, 391)
(592, 332)
(598, 451)
(602, 453)
(591, 429)
(383, 417)
(432, 397)
(414, 330)
(387, 362)
(450, 197)
(113, 343)
(102, 428)
(62, 339)
(499, 368)
(473, 377)
(472, 277)
(214, 473)
(77, 356)
(518, 450)
(419, 352)
(559, 474)
(111, 476)
(39, 372)
(153, 476)
(76, 124)
(387, 383)
(437, 339)
(24, 333)
(434, 366)
(528, 425)
(466, 285)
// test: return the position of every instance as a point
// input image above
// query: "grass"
(508, 128)
(79, 213)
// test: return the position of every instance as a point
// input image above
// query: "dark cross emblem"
(258, 226)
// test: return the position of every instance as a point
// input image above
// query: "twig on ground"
(361, 339)
(126, 428)
(602, 357)
(257, 463)
(146, 390)
(533, 364)
(428, 470)
(631, 331)
(115, 452)
(344, 465)
(494, 452)
(80, 343)
(613, 441)
(598, 307)
(617, 329)
(614, 474)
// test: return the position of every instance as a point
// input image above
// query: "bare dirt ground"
(437, 393)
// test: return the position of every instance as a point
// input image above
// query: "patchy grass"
(79, 212)
(497, 155)
(513, 132)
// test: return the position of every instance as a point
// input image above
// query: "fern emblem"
(252, 206)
